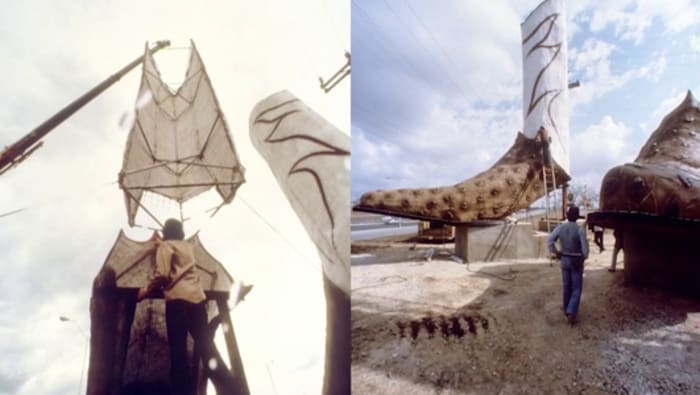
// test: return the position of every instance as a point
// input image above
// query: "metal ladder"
(549, 185)
(547, 188)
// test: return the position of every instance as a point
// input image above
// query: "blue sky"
(437, 90)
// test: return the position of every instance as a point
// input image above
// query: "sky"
(437, 90)
(73, 210)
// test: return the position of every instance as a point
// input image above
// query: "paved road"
(368, 225)
(377, 231)
(375, 228)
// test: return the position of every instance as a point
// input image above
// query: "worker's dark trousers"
(182, 317)
(572, 283)
(616, 250)
(598, 239)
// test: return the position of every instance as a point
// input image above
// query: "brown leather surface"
(511, 184)
(664, 179)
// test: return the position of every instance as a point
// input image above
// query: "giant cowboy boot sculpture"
(511, 184)
(309, 158)
(654, 203)
(517, 179)
(664, 179)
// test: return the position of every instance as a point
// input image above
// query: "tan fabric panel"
(132, 274)
(179, 145)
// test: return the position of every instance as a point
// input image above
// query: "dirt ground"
(437, 326)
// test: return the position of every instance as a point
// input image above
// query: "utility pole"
(337, 77)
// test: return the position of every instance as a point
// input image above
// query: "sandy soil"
(442, 327)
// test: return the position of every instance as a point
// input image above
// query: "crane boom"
(18, 151)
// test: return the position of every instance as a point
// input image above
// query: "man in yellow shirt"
(185, 311)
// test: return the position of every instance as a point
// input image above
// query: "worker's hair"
(172, 230)
(572, 213)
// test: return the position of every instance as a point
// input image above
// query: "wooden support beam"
(232, 347)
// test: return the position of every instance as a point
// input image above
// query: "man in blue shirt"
(574, 250)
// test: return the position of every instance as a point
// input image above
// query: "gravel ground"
(440, 327)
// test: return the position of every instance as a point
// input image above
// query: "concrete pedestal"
(663, 260)
(499, 241)
(659, 252)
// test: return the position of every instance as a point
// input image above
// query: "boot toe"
(652, 189)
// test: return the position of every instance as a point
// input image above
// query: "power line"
(388, 50)
(384, 138)
(61, 198)
(377, 118)
(383, 35)
(307, 259)
(7, 214)
(437, 43)
(274, 388)
(356, 104)
(377, 121)
(101, 187)
(404, 58)
(447, 73)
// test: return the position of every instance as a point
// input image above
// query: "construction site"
(500, 279)
(438, 326)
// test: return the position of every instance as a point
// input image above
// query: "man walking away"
(618, 246)
(574, 250)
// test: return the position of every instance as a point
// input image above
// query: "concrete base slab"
(660, 252)
(663, 260)
(502, 241)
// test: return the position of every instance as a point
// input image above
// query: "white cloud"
(664, 107)
(628, 26)
(695, 43)
(676, 16)
(598, 148)
(593, 58)
(376, 154)
(593, 64)
(654, 69)
(482, 68)
(602, 141)
(631, 19)
(451, 147)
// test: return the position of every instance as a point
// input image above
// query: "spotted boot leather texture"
(511, 184)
